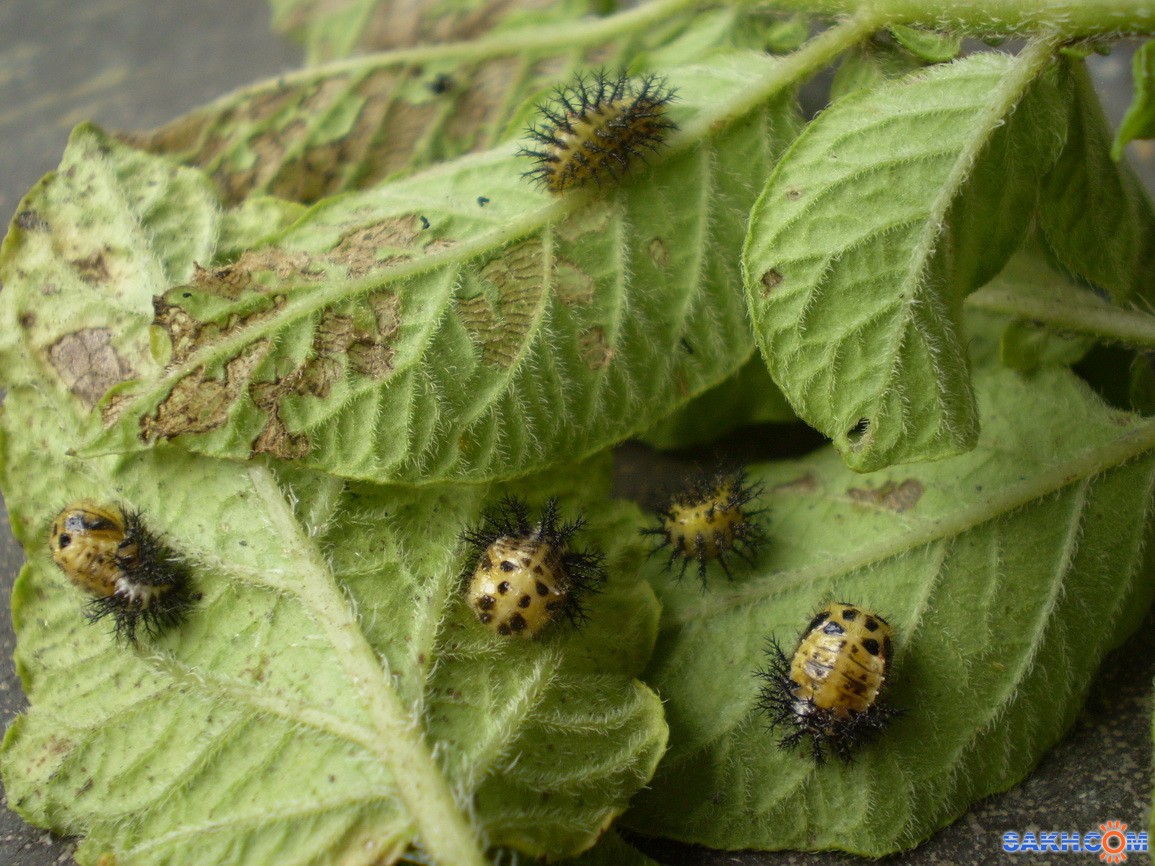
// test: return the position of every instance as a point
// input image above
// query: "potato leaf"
(349, 125)
(331, 698)
(457, 325)
(849, 261)
(1007, 573)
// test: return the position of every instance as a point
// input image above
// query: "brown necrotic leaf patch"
(377, 245)
(500, 315)
(593, 349)
(88, 364)
(199, 402)
(891, 496)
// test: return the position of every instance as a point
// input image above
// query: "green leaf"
(612, 851)
(350, 125)
(1139, 121)
(331, 697)
(748, 397)
(1095, 213)
(870, 64)
(927, 45)
(1007, 573)
(490, 343)
(1028, 345)
(1031, 288)
(858, 248)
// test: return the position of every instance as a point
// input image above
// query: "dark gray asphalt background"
(134, 64)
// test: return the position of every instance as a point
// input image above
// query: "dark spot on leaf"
(794, 193)
(482, 201)
(92, 268)
(770, 281)
(31, 221)
(424, 222)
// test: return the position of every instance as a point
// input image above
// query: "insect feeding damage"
(354, 339)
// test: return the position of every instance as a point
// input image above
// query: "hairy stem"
(1091, 316)
(1069, 19)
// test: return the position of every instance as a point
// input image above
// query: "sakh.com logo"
(1111, 843)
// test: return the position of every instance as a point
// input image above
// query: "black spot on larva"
(517, 623)
(525, 601)
(488, 564)
(486, 602)
(486, 618)
(871, 646)
(537, 569)
(554, 605)
(503, 587)
(506, 565)
(849, 614)
(501, 629)
(818, 620)
(886, 646)
(64, 539)
(525, 561)
(541, 588)
(871, 624)
(830, 628)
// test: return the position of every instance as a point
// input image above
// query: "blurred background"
(135, 64)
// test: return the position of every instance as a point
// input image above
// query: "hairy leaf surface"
(349, 125)
(331, 698)
(1007, 574)
(458, 325)
(890, 204)
(1095, 214)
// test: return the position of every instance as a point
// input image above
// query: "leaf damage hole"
(860, 435)
(770, 281)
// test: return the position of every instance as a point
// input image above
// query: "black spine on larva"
(150, 564)
(595, 128)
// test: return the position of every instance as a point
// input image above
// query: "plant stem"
(443, 829)
(1089, 316)
(1070, 19)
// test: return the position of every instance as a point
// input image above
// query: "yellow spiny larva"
(524, 572)
(829, 689)
(594, 130)
(107, 551)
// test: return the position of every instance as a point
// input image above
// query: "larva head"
(85, 542)
(596, 129)
(708, 520)
(525, 573)
(829, 689)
